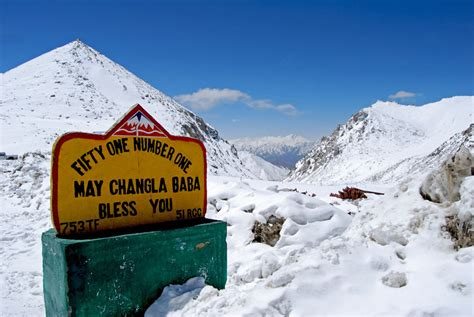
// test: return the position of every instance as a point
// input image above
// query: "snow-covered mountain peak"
(73, 51)
(384, 103)
(382, 135)
(76, 88)
(439, 120)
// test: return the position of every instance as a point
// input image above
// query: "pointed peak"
(80, 51)
(78, 43)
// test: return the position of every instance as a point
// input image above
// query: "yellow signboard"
(136, 174)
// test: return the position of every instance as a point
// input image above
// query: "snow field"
(393, 258)
(24, 215)
(390, 258)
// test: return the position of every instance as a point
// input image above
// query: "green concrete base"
(122, 275)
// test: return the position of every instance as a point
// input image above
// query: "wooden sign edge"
(101, 137)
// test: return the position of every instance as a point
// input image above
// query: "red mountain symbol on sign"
(137, 125)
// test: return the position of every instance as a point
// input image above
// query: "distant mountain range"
(389, 141)
(282, 151)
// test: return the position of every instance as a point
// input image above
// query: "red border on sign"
(91, 136)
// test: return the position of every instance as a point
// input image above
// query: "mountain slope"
(75, 88)
(423, 164)
(381, 136)
(261, 168)
(282, 151)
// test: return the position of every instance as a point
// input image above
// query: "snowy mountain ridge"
(76, 88)
(282, 151)
(381, 136)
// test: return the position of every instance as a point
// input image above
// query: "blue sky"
(254, 68)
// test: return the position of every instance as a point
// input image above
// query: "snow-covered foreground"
(24, 215)
(390, 258)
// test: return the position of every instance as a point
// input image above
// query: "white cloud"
(402, 95)
(260, 104)
(208, 98)
(288, 109)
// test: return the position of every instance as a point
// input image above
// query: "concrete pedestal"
(122, 275)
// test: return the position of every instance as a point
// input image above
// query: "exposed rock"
(442, 184)
(269, 232)
(461, 232)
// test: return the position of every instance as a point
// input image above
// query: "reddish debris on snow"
(353, 193)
